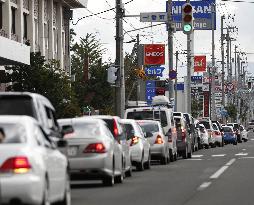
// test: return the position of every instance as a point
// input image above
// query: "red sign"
(154, 54)
(199, 63)
(206, 104)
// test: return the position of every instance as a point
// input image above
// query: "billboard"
(154, 54)
(199, 63)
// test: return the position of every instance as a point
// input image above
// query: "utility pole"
(177, 56)
(170, 49)
(213, 113)
(139, 65)
(119, 62)
(222, 61)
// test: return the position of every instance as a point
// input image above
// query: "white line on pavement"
(246, 157)
(204, 186)
(222, 169)
(244, 149)
(230, 162)
(252, 139)
(241, 154)
(218, 155)
(197, 156)
(194, 159)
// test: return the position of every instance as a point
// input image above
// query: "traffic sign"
(172, 74)
(154, 17)
(154, 71)
(197, 78)
(150, 90)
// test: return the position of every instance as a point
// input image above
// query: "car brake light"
(115, 129)
(216, 132)
(183, 134)
(159, 140)
(17, 165)
(134, 140)
(95, 148)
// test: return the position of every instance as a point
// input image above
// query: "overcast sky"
(104, 26)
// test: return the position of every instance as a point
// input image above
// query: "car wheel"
(175, 157)
(235, 143)
(110, 180)
(190, 154)
(45, 200)
(67, 193)
(163, 160)
(185, 153)
(119, 179)
(147, 164)
(129, 172)
(171, 157)
(140, 165)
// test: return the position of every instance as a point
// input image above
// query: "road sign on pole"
(154, 71)
(154, 17)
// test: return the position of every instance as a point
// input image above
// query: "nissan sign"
(154, 54)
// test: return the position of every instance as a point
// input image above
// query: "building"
(36, 26)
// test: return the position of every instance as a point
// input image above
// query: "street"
(221, 175)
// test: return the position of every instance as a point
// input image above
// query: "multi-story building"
(36, 26)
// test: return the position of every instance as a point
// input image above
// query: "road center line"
(217, 174)
(204, 186)
(218, 155)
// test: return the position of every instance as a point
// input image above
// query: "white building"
(44, 25)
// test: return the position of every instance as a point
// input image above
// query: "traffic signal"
(187, 18)
(112, 74)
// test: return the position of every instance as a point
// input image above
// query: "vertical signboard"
(154, 54)
(199, 63)
(206, 104)
(150, 91)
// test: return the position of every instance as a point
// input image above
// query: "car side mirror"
(62, 143)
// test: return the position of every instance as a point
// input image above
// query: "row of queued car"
(38, 150)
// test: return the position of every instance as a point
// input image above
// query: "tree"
(47, 79)
(232, 111)
(95, 92)
(196, 108)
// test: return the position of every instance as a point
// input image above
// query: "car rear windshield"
(16, 105)
(12, 134)
(149, 115)
(251, 123)
(235, 125)
(227, 129)
(149, 127)
(130, 132)
(177, 114)
(86, 130)
(206, 124)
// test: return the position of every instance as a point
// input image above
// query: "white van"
(159, 112)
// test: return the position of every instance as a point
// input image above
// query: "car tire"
(235, 143)
(140, 165)
(190, 154)
(175, 157)
(185, 153)
(109, 180)
(119, 179)
(67, 193)
(163, 160)
(45, 200)
(147, 164)
(129, 172)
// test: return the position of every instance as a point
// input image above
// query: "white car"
(93, 151)
(157, 139)
(139, 145)
(217, 135)
(204, 137)
(32, 170)
(243, 133)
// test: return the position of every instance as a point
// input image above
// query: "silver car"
(32, 170)
(93, 152)
(139, 145)
(157, 139)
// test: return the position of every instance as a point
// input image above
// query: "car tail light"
(17, 165)
(115, 129)
(159, 140)
(134, 140)
(95, 148)
(170, 139)
(183, 134)
(216, 132)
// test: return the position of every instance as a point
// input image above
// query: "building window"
(25, 25)
(13, 20)
(1, 15)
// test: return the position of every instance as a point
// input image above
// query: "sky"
(238, 15)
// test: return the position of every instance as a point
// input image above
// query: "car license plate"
(72, 151)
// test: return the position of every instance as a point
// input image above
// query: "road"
(218, 176)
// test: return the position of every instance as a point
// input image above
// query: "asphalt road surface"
(217, 176)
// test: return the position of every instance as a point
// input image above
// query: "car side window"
(41, 139)
(51, 119)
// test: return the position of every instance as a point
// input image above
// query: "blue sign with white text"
(196, 79)
(154, 71)
(150, 90)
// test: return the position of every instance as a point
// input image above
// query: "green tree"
(196, 108)
(232, 111)
(46, 79)
(95, 92)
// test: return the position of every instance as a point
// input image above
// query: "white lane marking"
(244, 149)
(230, 162)
(252, 139)
(241, 154)
(246, 157)
(218, 155)
(197, 156)
(222, 169)
(204, 186)
(194, 159)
